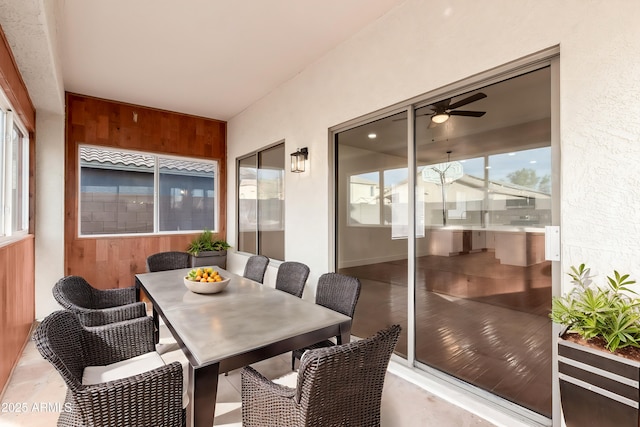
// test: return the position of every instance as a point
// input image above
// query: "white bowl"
(206, 287)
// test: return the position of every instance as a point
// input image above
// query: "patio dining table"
(245, 323)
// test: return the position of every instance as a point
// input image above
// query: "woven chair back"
(172, 260)
(348, 379)
(338, 292)
(255, 268)
(292, 277)
(73, 292)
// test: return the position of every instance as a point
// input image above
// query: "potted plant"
(207, 249)
(598, 355)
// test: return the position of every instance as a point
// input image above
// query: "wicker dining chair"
(292, 277)
(336, 386)
(255, 268)
(339, 293)
(151, 395)
(95, 307)
(171, 260)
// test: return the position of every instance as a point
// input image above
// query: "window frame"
(379, 199)
(11, 121)
(156, 195)
(257, 153)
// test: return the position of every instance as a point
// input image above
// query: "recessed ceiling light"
(512, 154)
(533, 161)
(488, 167)
(372, 136)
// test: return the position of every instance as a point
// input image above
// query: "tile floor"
(35, 391)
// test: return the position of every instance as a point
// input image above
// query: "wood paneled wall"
(16, 91)
(17, 302)
(111, 262)
(17, 283)
(14, 87)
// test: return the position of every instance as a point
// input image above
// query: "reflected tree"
(527, 177)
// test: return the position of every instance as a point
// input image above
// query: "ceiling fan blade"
(473, 98)
(441, 105)
(467, 113)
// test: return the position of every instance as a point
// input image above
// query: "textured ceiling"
(211, 58)
(30, 29)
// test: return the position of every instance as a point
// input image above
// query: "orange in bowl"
(207, 285)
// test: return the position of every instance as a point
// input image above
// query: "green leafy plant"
(593, 311)
(207, 242)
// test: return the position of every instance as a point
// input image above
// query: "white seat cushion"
(166, 347)
(289, 380)
(134, 366)
(166, 343)
(123, 369)
(178, 356)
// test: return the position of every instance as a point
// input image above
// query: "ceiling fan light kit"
(440, 118)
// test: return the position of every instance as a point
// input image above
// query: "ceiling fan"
(442, 110)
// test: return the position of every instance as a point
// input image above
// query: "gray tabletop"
(243, 317)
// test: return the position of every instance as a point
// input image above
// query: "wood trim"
(111, 262)
(14, 87)
(32, 183)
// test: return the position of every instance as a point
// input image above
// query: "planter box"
(211, 258)
(597, 388)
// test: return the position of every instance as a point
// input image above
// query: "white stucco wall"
(49, 240)
(425, 44)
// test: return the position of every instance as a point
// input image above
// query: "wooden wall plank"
(17, 302)
(108, 262)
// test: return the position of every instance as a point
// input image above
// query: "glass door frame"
(546, 58)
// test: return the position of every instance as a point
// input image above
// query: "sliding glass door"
(482, 308)
(470, 281)
(372, 221)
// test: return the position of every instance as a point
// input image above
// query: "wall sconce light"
(298, 159)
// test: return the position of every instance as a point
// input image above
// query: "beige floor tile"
(36, 392)
(404, 404)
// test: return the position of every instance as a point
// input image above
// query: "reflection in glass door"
(372, 207)
(482, 307)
